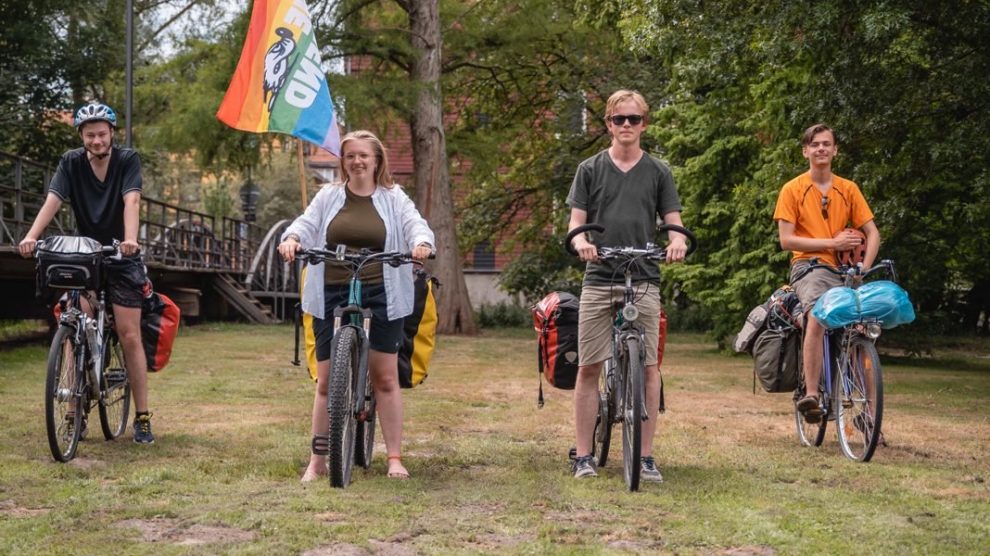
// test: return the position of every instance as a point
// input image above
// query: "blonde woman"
(365, 210)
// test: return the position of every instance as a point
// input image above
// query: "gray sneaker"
(584, 466)
(648, 470)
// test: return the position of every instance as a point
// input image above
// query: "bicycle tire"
(340, 405)
(62, 387)
(365, 430)
(606, 414)
(632, 413)
(858, 416)
(115, 388)
(810, 434)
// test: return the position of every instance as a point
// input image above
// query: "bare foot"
(395, 468)
(317, 468)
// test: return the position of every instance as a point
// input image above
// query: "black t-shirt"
(627, 204)
(97, 205)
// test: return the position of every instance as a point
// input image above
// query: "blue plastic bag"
(886, 301)
(883, 300)
(837, 307)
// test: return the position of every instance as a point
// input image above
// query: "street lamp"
(249, 199)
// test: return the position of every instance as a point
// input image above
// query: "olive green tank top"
(357, 226)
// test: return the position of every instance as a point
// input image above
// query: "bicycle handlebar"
(650, 252)
(358, 259)
(853, 271)
(111, 251)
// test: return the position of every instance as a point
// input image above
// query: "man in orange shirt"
(812, 214)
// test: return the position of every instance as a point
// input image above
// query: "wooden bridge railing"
(170, 236)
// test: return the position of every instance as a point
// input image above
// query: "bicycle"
(351, 398)
(851, 385)
(86, 365)
(622, 387)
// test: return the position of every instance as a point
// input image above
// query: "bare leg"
(586, 406)
(128, 324)
(652, 383)
(321, 421)
(812, 355)
(388, 399)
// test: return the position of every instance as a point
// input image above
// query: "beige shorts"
(598, 307)
(812, 285)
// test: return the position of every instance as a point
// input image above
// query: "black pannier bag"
(777, 349)
(69, 262)
(555, 319)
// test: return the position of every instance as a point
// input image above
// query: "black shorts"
(125, 281)
(386, 335)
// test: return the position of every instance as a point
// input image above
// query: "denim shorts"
(125, 281)
(386, 335)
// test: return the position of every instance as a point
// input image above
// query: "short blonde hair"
(623, 95)
(383, 176)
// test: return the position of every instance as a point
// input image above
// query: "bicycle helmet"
(856, 254)
(95, 112)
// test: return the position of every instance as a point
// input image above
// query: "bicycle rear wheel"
(632, 413)
(859, 391)
(115, 388)
(606, 413)
(63, 405)
(344, 363)
(365, 430)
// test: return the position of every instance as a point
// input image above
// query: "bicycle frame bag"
(159, 326)
(69, 262)
(555, 319)
(419, 332)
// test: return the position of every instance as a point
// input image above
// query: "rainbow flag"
(279, 84)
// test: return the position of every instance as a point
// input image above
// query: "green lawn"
(489, 468)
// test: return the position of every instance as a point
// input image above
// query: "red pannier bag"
(555, 319)
(159, 325)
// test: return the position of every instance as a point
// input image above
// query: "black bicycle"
(851, 384)
(622, 387)
(86, 365)
(351, 398)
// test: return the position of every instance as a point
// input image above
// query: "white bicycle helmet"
(95, 112)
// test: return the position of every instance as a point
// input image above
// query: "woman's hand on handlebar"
(289, 248)
(422, 251)
(586, 250)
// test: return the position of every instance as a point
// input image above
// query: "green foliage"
(503, 315)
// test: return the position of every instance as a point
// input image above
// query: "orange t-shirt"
(800, 203)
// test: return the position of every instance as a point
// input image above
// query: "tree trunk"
(433, 192)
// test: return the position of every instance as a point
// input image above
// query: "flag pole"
(302, 174)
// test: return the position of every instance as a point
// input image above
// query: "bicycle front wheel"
(859, 393)
(632, 413)
(606, 413)
(365, 430)
(115, 388)
(344, 366)
(63, 408)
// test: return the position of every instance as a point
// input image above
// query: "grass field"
(490, 469)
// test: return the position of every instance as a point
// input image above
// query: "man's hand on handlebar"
(129, 247)
(26, 247)
(586, 250)
(677, 248)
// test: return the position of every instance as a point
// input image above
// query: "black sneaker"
(648, 470)
(584, 466)
(142, 430)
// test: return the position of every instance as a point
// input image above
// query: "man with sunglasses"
(624, 189)
(812, 214)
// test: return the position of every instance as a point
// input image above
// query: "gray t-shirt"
(627, 205)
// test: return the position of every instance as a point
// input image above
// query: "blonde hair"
(383, 176)
(623, 95)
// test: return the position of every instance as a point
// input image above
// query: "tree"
(901, 82)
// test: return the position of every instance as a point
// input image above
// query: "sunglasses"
(620, 119)
(825, 201)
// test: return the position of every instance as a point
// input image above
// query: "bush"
(503, 315)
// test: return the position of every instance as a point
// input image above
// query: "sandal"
(810, 408)
(402, 474)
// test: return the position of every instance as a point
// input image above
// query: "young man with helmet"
(103, 183)
(814, 213)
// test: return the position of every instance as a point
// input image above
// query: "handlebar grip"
(580, 230)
